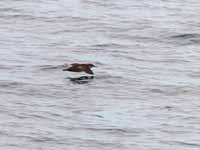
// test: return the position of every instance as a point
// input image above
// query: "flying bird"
(76, 67)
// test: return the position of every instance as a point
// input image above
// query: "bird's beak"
(64, 69)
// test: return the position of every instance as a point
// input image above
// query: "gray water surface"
(145, 92)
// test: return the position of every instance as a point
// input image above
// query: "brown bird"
(80, 68)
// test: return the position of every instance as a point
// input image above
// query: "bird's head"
(91, 65)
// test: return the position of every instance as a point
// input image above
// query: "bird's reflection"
(82, 79)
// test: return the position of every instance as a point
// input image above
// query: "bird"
(76, 67)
